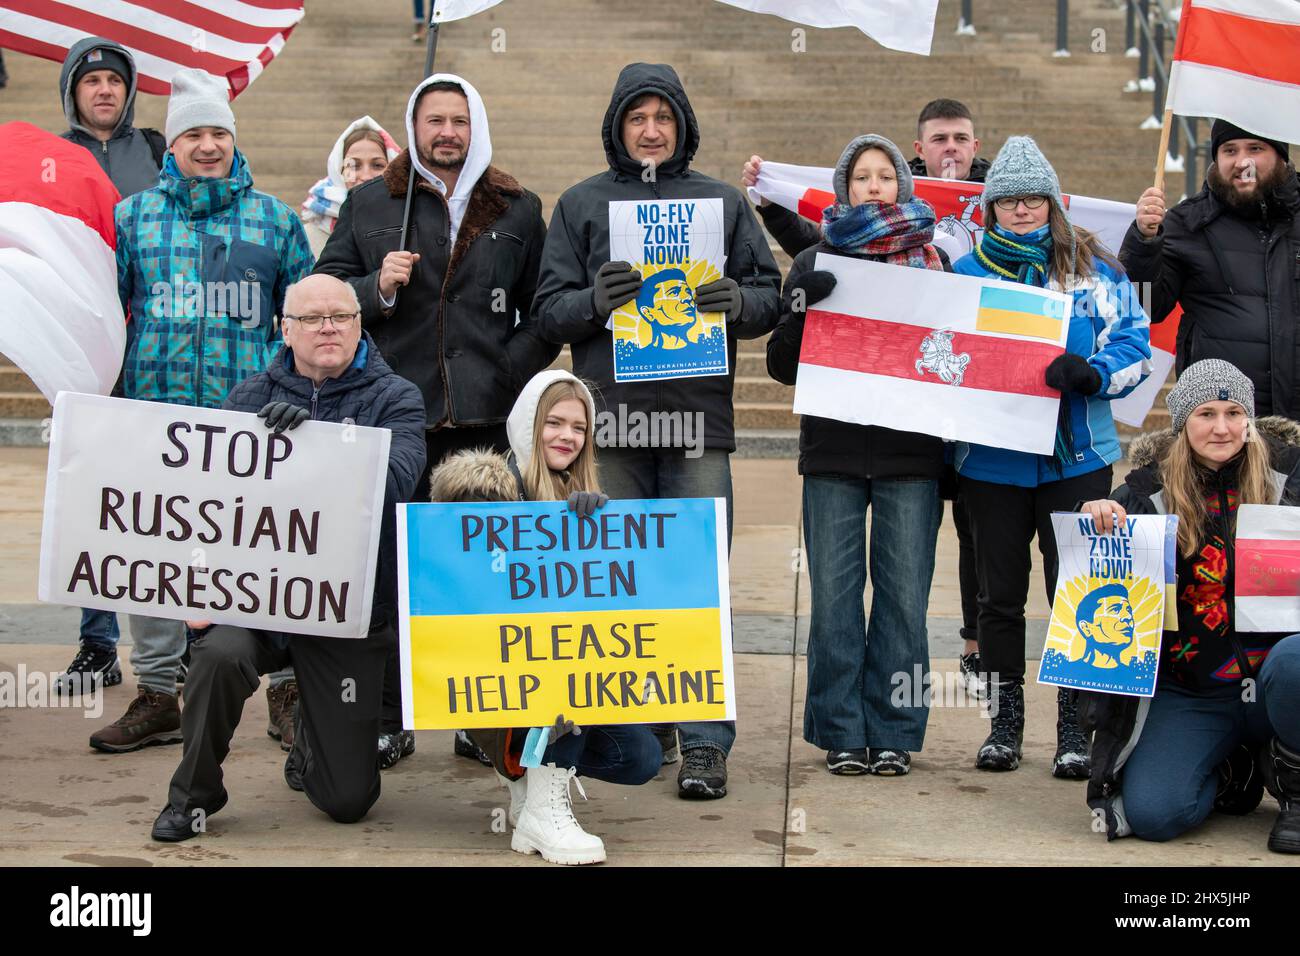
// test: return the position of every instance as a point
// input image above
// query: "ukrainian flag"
(1020, 311)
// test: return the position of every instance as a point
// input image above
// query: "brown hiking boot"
(281, 710)
(152, 718)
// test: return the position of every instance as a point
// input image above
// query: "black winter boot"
(1241, 782)
(1001, 749)
(1281, 768)
(1071, 761)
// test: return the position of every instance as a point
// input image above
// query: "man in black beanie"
(1230, 255)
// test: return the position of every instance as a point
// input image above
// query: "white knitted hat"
(198, 99)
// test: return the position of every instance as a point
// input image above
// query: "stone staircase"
(546, 67)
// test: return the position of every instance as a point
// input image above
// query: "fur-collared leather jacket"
(453, 329)
(1115, 720)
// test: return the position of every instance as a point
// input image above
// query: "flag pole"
(1164, 149)
(1184, 24)
(430, 49)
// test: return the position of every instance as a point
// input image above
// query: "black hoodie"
(577, 245)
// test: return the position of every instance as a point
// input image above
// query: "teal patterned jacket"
(202, 268)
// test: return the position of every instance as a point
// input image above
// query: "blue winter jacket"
(202, 266)
(1109, 327)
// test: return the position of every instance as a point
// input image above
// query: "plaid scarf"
(1019, 258)
(899, 233)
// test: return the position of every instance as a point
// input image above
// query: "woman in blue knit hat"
(1010, 495)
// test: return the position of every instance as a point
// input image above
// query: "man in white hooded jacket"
(450, 310)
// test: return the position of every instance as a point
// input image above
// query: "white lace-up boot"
(518, 794)
(547, 825)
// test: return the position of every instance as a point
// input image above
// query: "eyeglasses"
(1008, 203)
(342, 320)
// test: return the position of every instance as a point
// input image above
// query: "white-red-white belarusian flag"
(60, 317)
(959, 212)
(235, 39)
(1239, 60)
(905, 25)
(1268, 569)
(916, 350)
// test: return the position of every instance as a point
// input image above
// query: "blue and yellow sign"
(515, 612)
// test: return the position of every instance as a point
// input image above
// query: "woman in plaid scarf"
(855, 710)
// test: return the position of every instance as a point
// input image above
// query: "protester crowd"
(443, 333)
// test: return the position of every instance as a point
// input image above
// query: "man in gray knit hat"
(204, 263)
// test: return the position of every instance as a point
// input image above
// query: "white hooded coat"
(477, 158)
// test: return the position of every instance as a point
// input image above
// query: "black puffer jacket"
(577, 245)
(450, 331)
(1116, 720)
(830, 447)
(369, 394)
(793, 233)
(1238, 281)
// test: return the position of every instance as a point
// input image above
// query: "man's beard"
(1249, 203)
(430, 160)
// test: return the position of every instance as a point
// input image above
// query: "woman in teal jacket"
(1010, 495)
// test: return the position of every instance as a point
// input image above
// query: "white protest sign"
(190, 513)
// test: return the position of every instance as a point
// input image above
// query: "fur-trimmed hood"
(1149, 449)
(475, 474)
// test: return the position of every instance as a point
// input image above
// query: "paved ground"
(62, 803)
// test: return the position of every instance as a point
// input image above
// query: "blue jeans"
(99, 629)
(853, 665)
(617, 753)
(668, 473)
(1169, 779)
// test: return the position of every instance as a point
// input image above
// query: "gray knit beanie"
(1209, 380)
(850, 156)
(198, 99)
(1020, 169)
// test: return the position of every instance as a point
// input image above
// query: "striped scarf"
(900, 233)
(1018, 258)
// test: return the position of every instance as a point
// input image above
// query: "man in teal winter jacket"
(203, 263)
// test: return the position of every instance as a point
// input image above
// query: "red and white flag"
(1268, 569)
(959, 212)
(1239, 60)
(905, 25)
(236, 39)
(60, 318)
(916, 350)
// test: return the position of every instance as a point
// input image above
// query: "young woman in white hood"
(552, 458)
(362, 152)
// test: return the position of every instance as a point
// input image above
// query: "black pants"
(968, 580)
(1004, 519)
(339, 686)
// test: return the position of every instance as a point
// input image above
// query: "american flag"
(236, 39)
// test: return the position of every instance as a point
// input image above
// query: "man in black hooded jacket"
(651, 135)
(1230, 256)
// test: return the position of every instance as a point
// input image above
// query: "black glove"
(561, 728)
(616, 283)
(586, 502)
(815, 286)
(282, 415)
(1072, 373)
(720, 295)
